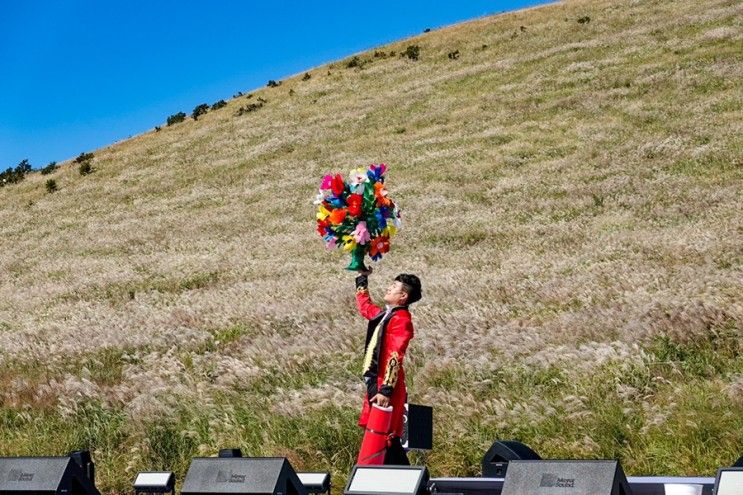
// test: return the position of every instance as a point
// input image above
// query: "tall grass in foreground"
(664, 407)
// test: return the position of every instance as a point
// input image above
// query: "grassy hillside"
(571, 200)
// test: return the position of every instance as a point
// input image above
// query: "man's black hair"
(411, 285)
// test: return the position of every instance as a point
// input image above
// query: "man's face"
(396, 295)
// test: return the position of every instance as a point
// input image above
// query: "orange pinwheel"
(338, 215)
(381, 193)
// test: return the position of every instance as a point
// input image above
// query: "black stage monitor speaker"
(574, 477)
(230, 453)
(43, 475)
(495, 461)
(417, 430)
(242, 475)
(85, 461)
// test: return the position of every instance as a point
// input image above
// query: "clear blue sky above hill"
(76, 75)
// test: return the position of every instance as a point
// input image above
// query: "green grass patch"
(324, 439)
(718, 353)
(592, 416)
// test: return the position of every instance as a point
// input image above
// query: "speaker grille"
(32, 474)
(246, 475)
(561, 478)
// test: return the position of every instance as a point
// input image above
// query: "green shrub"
(84, 160)
(23, 167)
(49, 168)
(157, 128)
(15, 175)
(453, 55)
(412, 52)
(248, 108)
(354, 62)
(84, 157)
(51, 185)
(176, 117)
(199, 110)
(219, 104)
(273, 84)
(306, 76)
(584, 20)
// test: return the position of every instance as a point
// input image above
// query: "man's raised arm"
(367, 308)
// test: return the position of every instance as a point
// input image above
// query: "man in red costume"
(387, 337)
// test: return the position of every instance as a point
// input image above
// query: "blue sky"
(76, 75)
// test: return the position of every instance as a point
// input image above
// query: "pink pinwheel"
(361, 234)
(326, 182)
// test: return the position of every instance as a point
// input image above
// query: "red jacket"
(396, 332)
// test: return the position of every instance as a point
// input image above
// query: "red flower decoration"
(321, 225)
(337, 216)
(354, 204)
(379, 245)
(337, 185)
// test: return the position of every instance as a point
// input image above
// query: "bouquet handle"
(357, 260)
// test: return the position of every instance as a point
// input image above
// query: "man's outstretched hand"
(366, 272)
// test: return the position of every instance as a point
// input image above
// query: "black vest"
(370, 375)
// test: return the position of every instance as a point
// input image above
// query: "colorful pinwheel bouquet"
(357, 215)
